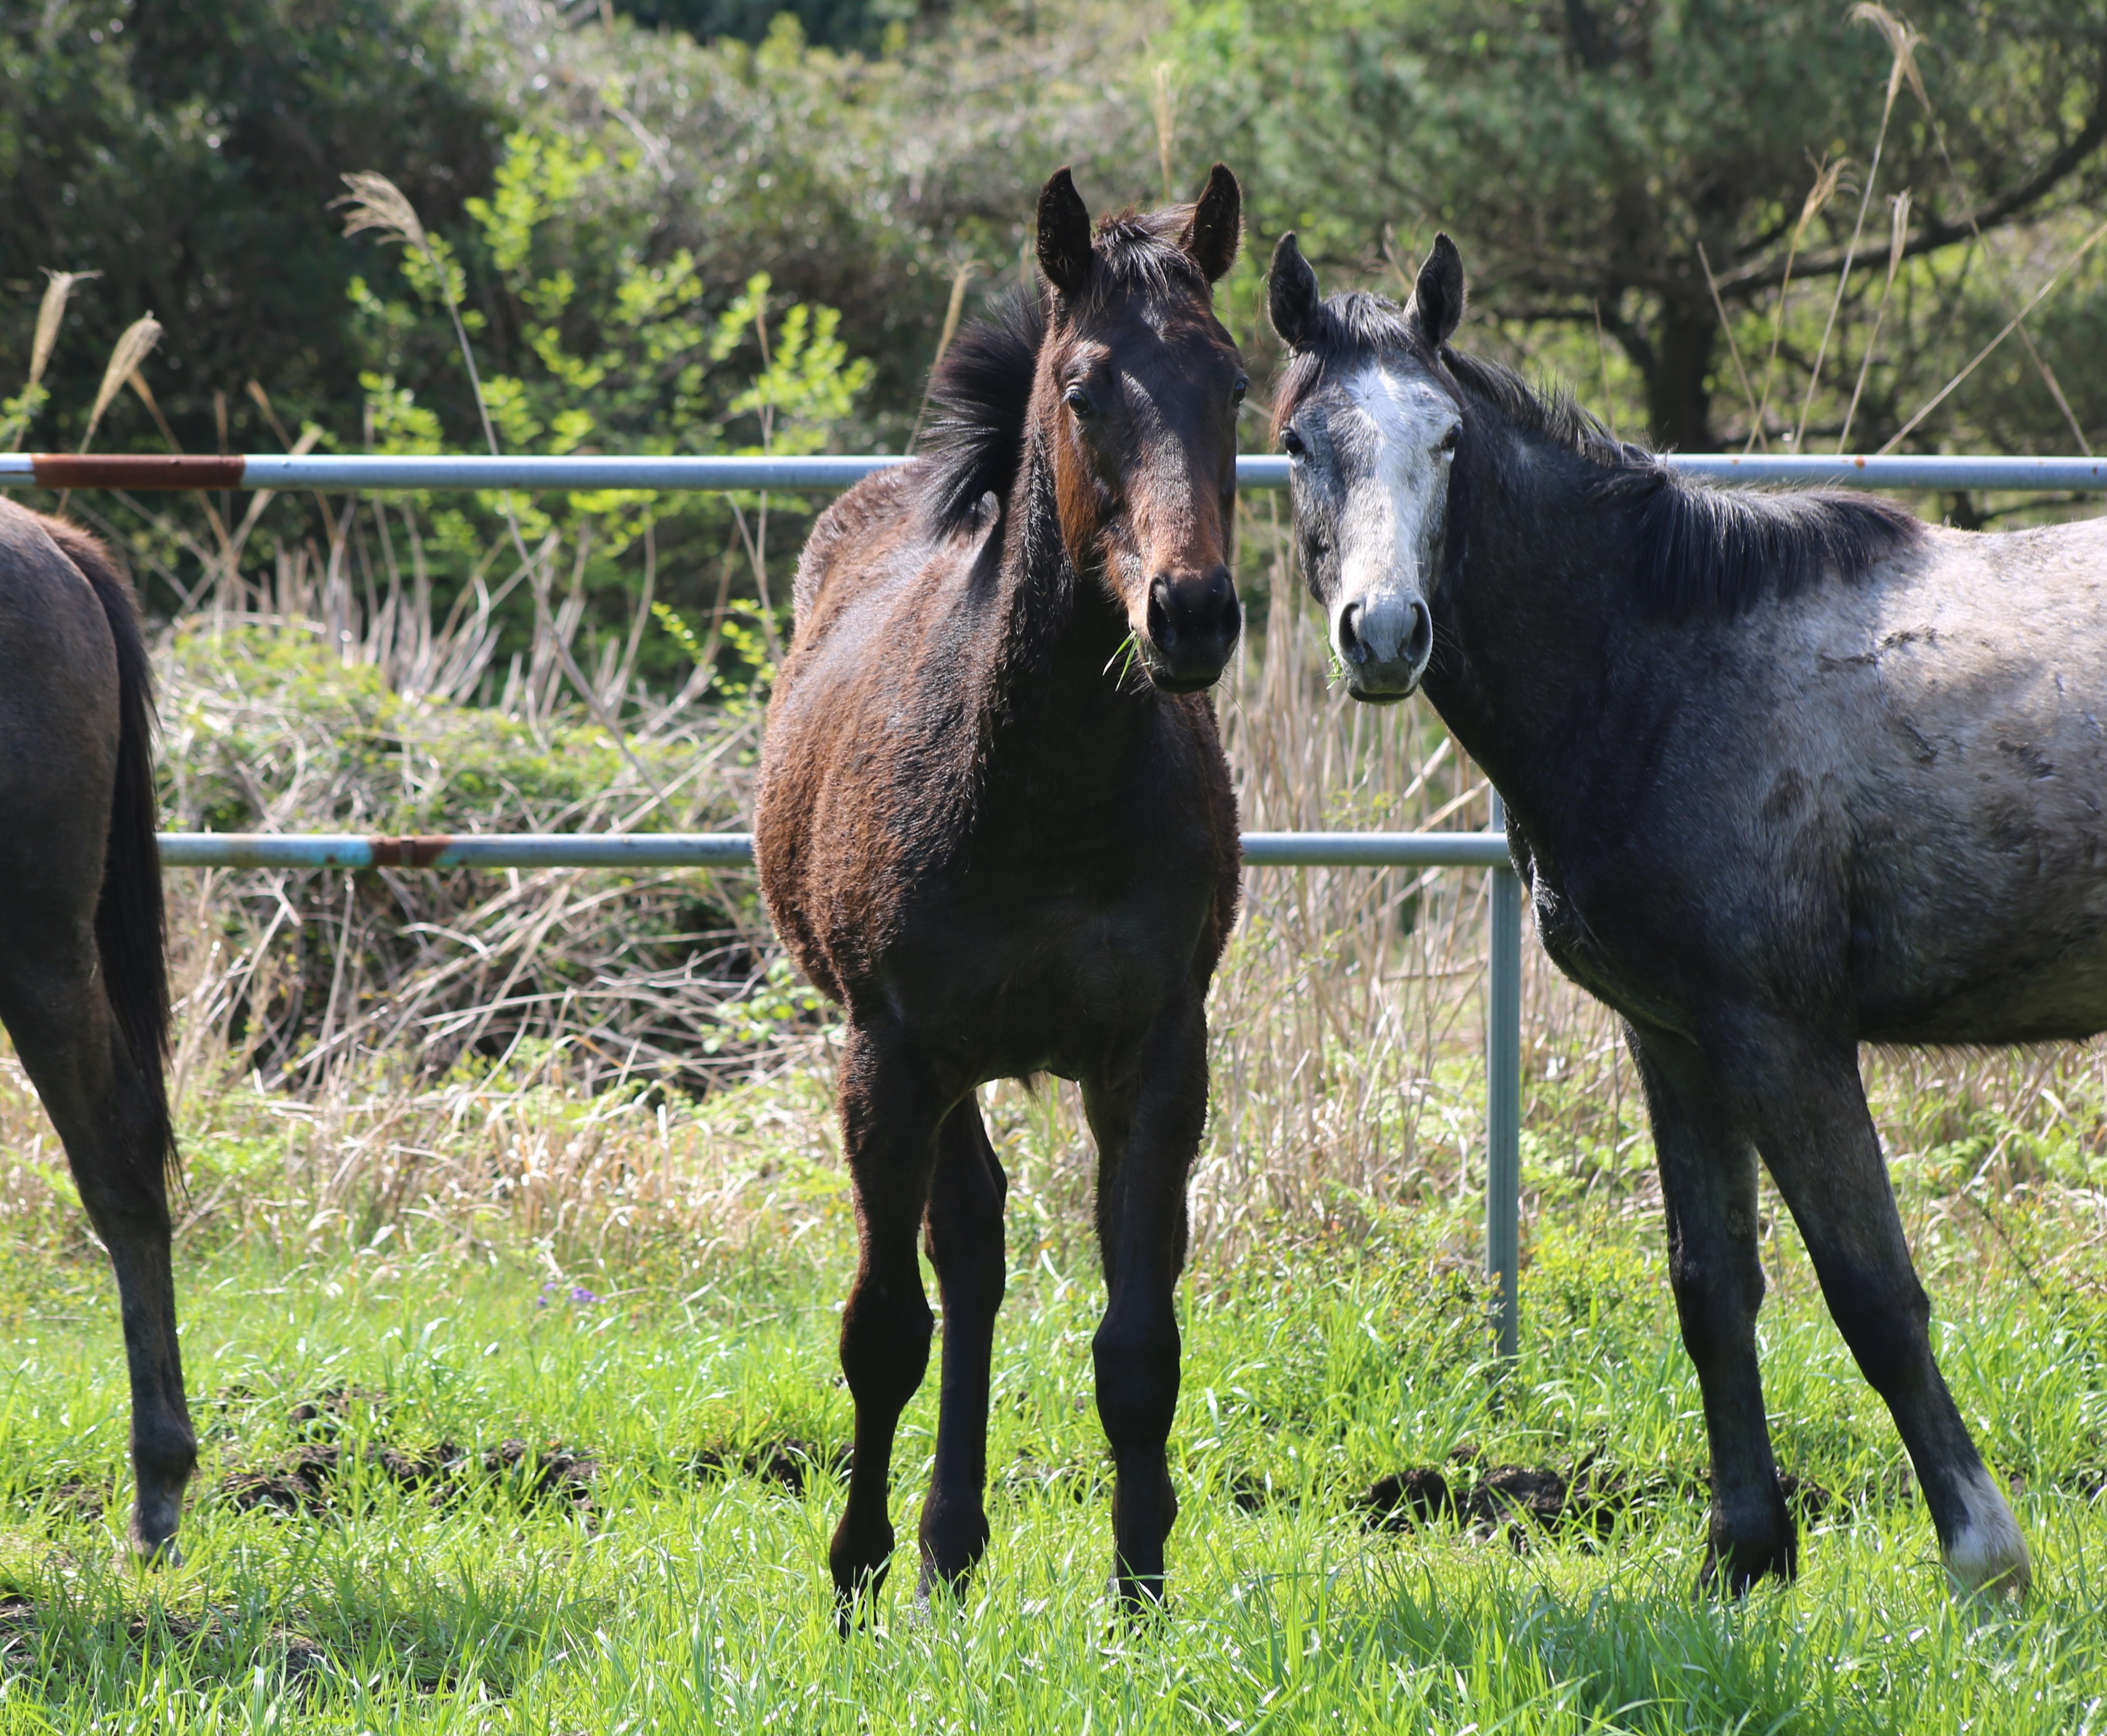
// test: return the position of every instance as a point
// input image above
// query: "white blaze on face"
(1395, 446)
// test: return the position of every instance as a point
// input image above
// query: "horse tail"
(131, 918)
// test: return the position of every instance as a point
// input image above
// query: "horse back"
(856, 722)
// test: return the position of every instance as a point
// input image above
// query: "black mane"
(1698, 550)
(980, 393)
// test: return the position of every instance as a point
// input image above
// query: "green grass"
(687, 1600)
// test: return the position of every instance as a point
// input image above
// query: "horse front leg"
(965, 1244)
(1146, 1112)
(890, 1111)
(1807, 1110)
(1708, 1184)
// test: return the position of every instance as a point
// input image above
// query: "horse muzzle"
(1384, 641)
(1192, 623)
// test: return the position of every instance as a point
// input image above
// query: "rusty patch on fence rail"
(84, 470)
(419, 852)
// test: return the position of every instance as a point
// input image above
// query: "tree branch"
(1935, 233)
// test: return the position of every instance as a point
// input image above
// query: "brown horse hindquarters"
(76, 927)
(850, 717)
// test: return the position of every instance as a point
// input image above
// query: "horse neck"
(1058, 716)
(1526, 600)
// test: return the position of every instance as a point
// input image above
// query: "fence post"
(1504, 1096)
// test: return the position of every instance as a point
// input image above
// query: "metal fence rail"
(666, 849)
(825, 473)
(675, 850)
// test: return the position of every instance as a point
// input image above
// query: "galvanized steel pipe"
(824, 474)
(672, 849)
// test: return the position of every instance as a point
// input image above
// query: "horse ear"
(1437, 299)
(1291, 295)
(1064, 234)
(1211, 238)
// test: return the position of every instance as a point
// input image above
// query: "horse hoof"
(1735, 1572)
(154, 1557)
(1988, 1558)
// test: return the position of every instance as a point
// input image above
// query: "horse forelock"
(1352, 330)
(1141, 253)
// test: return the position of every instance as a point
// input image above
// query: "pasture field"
(365, 1550)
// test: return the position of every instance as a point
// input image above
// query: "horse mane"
(1699, 549)
(980, 394)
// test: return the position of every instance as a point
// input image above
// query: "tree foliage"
(1584, 151)
(187, 154)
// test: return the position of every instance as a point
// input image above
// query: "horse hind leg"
(890, 1115)
(965, 1244)
(109, 1121)
(1818, 1137)
(1708, 1180)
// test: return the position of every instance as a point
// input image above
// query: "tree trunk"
(1677, 377)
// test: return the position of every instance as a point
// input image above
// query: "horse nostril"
(1161, 628)
(1419, 641)
(1349, 633)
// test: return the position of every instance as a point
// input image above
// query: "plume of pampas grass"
(50, 315)
(1902, 39)
(134, 345)
(376, 203)
(51, 312)
(1826, 175)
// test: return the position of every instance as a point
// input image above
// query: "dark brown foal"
(993, 822)
(83, 988)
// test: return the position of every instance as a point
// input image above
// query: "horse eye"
(1238, 390)
(1292, 441)
(1077, 399)
(1449, 440)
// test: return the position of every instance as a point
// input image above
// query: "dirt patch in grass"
(312, 1476)
(72, 1497)
(790, 1461)
(318, 1473)
(1519, 1502)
